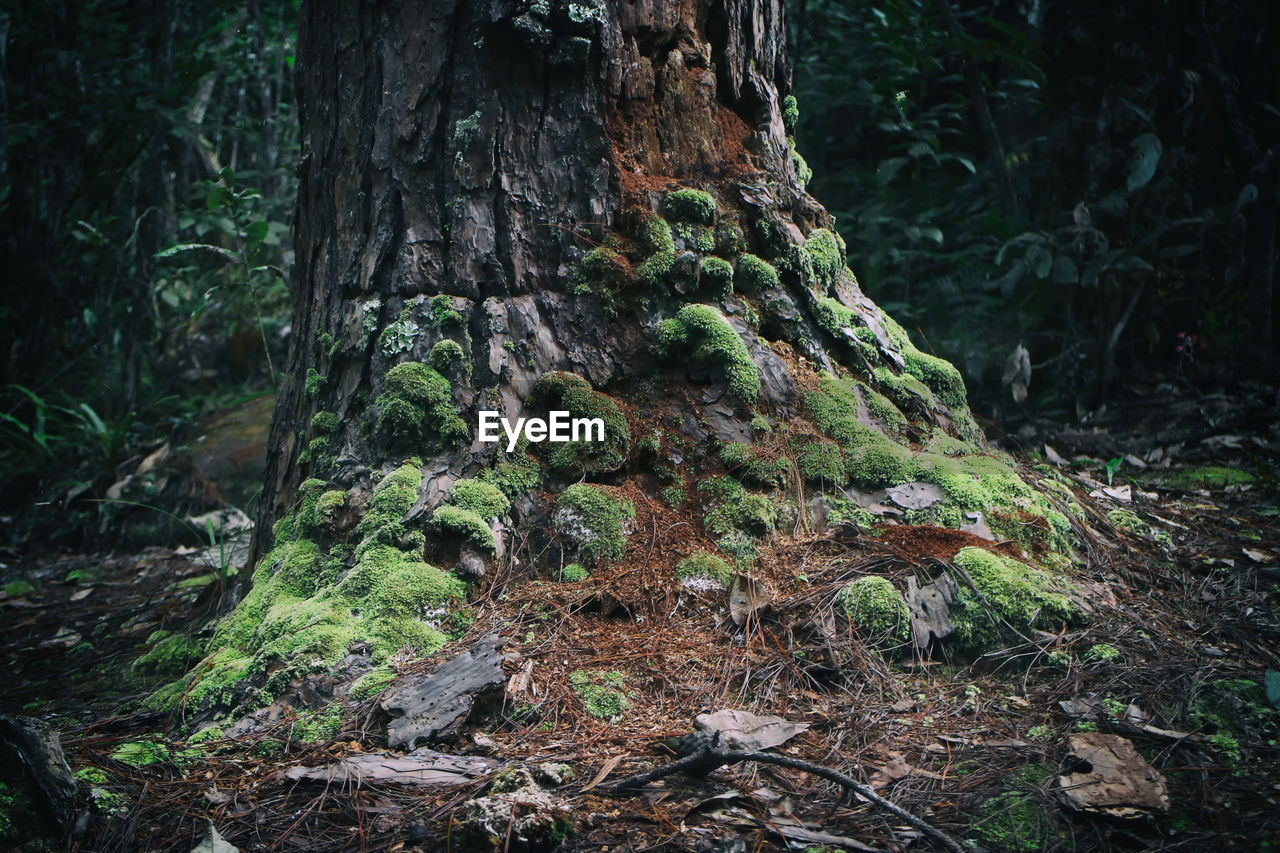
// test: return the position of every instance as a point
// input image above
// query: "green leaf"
(1064, 270)
(1146, 154)
(230, 257)
(257, 231)
(217, 197)
(1040, 261)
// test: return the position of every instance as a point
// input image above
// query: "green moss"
(752, 464)
(880, 406)
(701, 568)
(13, 589)
(940, 376)
(1205, 477)
(804, 173)
(484, 499)
(514, 478)
(1015, 820)
(820, 461)
(824, 250)
(443, 313)
(599, 693)
(371, 683)
(314, 382)
(466, 524)
(790, 113)
(418, 403)
(323, 423)
(755, 274)
(832, 316)
(748, 513)
(320, 725)
(603, 266)
(446, 355)
(574, 572)
(674, 496)
(169, 655)
(590, 520)
(141, 753)
(874, 605)
(655, 233)
(712, 339)
(690, 205)
(570, 392)
(1018, 594)
(720, 489)
(327, 506)
(715, 276)
(390, 502)
(1127, 520)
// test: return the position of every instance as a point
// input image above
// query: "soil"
(1184, 608)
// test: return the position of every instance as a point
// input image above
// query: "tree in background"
(1090, 182)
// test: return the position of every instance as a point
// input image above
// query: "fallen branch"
(705, 755)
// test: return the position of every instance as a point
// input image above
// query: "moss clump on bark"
(443, 313)
(518, 476)
(418, 404)
(571, 393)
(447, 355)
(825, 253)
(466, 524)
(711, 338)
(702, 570)
(655, 233)
(874, 605)
(603, 266)
(755, 274)
(751, 464)
(820, 461)
(484, 499)
(689, 205)
(600, 693)
(1018, 594)
(590, 520)
(715, 276)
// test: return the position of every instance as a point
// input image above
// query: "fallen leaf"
(1053, 457)
(1257, 556)
(604, 772)
(214, 843)
(743, 730)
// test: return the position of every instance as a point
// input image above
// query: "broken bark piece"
(1113, 780)
(433, 707)
(420, 767)
(929, 607)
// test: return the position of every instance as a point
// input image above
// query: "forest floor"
(1182, 570)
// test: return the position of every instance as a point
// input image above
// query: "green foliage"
(825, 252)
(655, 234)
(467, 524)
(574, 572)
(1016, 595)
(690, 205)
(712, 339)
(514, 478)
(590, 520)
(715, 276)
(443, 312)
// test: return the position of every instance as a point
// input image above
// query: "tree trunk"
(593, 208)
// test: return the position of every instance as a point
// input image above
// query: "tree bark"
(518, 207)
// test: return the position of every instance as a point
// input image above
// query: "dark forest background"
(1094, 184)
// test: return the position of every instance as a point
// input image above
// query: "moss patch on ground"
(305, 608)
(875, 605)
(590, 521)
(702, 570)
(1015, 597)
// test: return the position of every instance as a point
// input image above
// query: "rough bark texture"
(593, 207)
